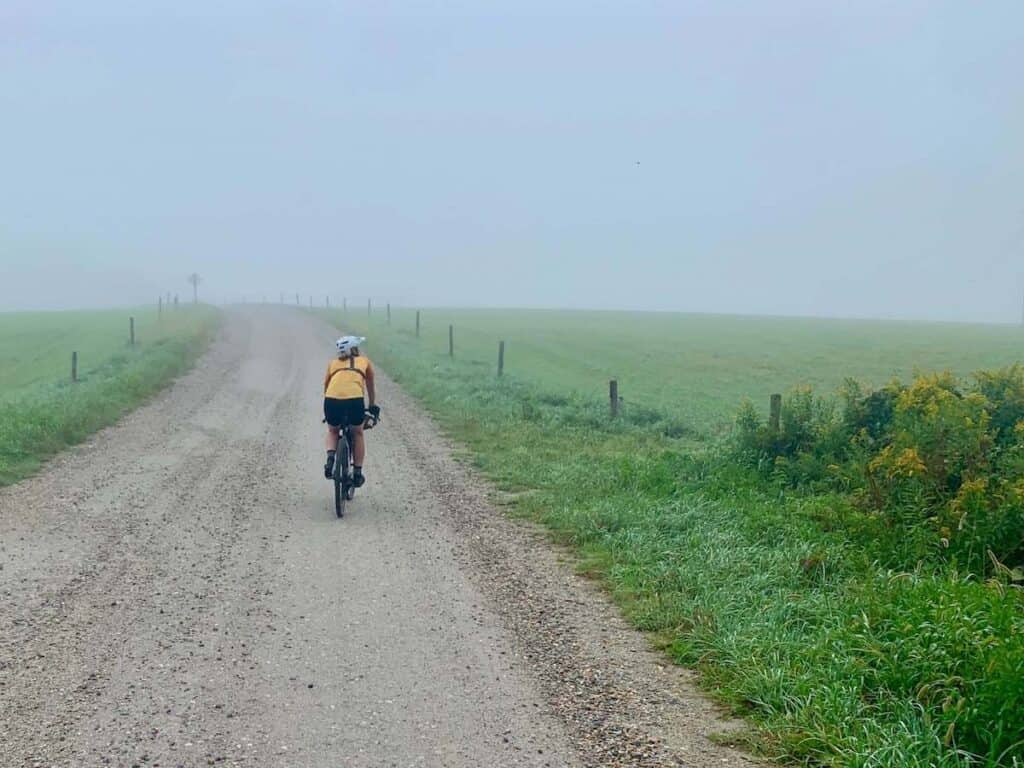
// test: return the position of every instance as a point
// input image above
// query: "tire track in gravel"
(177, 592)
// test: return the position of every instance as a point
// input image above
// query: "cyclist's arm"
(327, 378)
(371, 390)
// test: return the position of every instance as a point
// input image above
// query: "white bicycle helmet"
(346, 344)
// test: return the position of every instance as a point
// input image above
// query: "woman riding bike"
(348, 387)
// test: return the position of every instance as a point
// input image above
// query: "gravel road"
(178, 592)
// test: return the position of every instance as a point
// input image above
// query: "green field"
(42, 411)
(699, 367)
(802, 611)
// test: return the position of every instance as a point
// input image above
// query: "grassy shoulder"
(43, 412)
(777, 596)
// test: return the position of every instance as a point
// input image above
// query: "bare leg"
(358, 446)
(332, 437)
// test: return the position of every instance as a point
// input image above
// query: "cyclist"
(348, 387)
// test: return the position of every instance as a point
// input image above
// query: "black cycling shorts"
(345, 413)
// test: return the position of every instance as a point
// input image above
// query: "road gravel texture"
(178, 592)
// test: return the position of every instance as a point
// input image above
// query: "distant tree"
(194, 281)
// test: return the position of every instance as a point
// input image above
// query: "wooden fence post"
(327, 302)
(451, 341)
(296, 299)
(344, 305)
(74, 366)
(613, 397)
(131, 331)
(159, 307)
(311, 301)
(417, 323)
(369, 307)
(501, 358)
(775, 413)
(389, 313)
(175, 301)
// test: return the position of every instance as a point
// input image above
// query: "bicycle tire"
(340, 474)
(350, 489)
(339, 499)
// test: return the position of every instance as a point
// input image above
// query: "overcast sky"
(855, 159)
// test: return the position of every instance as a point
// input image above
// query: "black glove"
(375, 411)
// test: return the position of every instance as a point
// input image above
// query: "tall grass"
(43, 412)
(769, 592)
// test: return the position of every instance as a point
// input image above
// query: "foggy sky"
(856, 159)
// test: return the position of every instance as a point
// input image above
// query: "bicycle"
(344, 487)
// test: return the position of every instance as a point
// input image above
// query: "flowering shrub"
(938, 461)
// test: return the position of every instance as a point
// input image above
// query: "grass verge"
(41, 414)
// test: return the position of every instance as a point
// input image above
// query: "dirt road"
(178, 592)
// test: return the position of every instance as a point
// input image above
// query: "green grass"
(775, 596)
(699, 367)
(43, 412)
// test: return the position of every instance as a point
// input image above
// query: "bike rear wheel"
(341, 475)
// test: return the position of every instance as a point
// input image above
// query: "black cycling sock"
(330, 454)
(358, 470)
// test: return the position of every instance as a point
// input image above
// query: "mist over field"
(786, 158)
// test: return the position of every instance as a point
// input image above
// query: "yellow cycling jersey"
(346, 378)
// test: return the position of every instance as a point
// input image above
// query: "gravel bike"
(344, 486)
